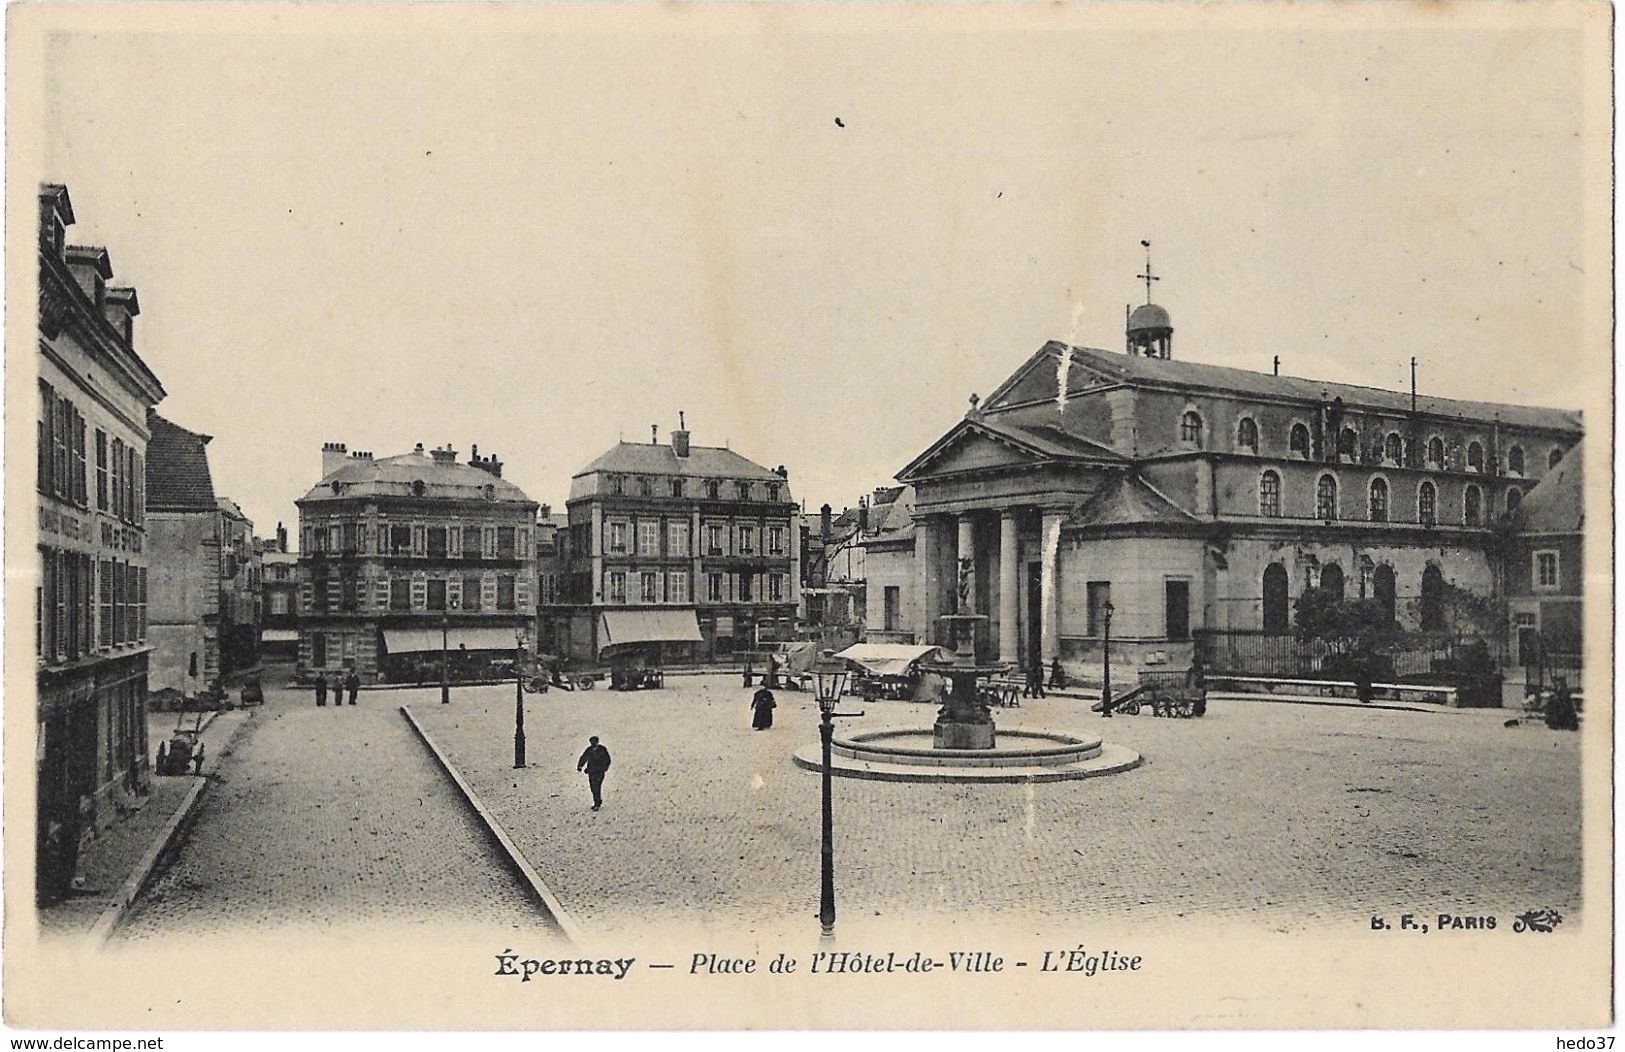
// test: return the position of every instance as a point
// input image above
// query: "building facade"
(1545, 579)
(90, 593)
(186, 539)
(241, 602)
(695, 547)
(279, 624)
(403, 557)
(1181, 496)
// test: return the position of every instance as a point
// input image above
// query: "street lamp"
(518, 700)
(445, 686)
(829, 677)
(1106, 677)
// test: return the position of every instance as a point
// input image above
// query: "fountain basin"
(908, 754)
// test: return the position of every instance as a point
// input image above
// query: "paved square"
(1287, 816)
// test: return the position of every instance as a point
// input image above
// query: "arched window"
(1382, 588)
(1552, 458)
(1347, 442)
(1276, 598)
(1435, 452)
(1432, 600)
(646, 487)
(1514, 498)
(1269, 494)
(1379, 500)
(1326, 498)
(1190, 429)
(1472, 506)
(1247, 435)
(1515, 460)
(1394, 448)
(1298, 443)
(1475, 456)
(1331, 581)
(1427, 504)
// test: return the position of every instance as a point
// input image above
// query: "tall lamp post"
(445, 684)
(518, 700)
(829, 678)
(1106, 676)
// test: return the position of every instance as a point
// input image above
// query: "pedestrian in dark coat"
(1057, 678)
(763, 705)
(338, 691)
(321, 691)
(353, 681)
(1561, 712)
(1035, 681)
(595, 761)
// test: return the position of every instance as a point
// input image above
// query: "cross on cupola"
(1147, 329)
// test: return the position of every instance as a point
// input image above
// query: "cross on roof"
(1147, 277)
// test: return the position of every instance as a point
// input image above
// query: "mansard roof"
(636, 458)
(177, 468)
(400, 476)
(1092, 367)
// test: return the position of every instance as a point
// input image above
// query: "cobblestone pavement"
(334, 817)
(1285, 816)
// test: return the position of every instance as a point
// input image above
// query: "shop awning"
(279, 635)
(648, 626)
(418, 640)
(886, 659)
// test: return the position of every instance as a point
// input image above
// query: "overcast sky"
(528, 232)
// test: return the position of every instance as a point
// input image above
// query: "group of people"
(1035, 678)
(351, 682)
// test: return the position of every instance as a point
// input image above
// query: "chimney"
(782, 472)
(444, 456)
(654, 434)
(120, 309)
(863, 516)
(91, 268)
(281, 537)
(333, 457)
(545, 511)
(823, 524)
(418, 449)
(679, 442)
(490, 464)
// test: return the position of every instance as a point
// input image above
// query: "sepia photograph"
(808, 516)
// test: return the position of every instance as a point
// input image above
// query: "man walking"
(338, 691)
(595, 761)
(353, 681)
(321, 690)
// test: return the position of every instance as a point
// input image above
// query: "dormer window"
(713, 489)
(743, 489)
(1247, 436)
(646, 487)
(677, 487)
(418, 487)
(1190, 429)
(773, 491)
(617, 486)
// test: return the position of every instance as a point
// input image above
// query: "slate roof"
(1557, 503)
(1247, 382)
(702, 462)
(1129, 500)
(397, 476)
(178, 476)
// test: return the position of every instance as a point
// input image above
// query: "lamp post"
(445, 685)
(829, 676)
(518, 700)
(1106, 676)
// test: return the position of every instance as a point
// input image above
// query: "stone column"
(1008, 575)
(927, 582)
(965, 581)
(1050, 585)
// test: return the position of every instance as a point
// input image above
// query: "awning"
(279, 635)
(648, 626)
(886, 659)
(419, 640)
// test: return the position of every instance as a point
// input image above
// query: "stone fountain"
(964, 721)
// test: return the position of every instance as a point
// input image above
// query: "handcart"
(1181, 694)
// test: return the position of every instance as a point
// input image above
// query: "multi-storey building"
(241, 604)
(401, 556)
(279, 625)
(186, 540)
(694, 547)
(1545, 582)
(1184, 496)
(90, 622)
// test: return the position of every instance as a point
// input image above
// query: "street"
(330, 816)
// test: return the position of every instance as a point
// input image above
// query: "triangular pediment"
(971, 447)
(1038, 379)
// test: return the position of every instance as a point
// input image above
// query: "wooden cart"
(1179, 693)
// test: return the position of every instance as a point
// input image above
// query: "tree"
(1358, 635)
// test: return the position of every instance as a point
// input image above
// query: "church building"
(1176, 497)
